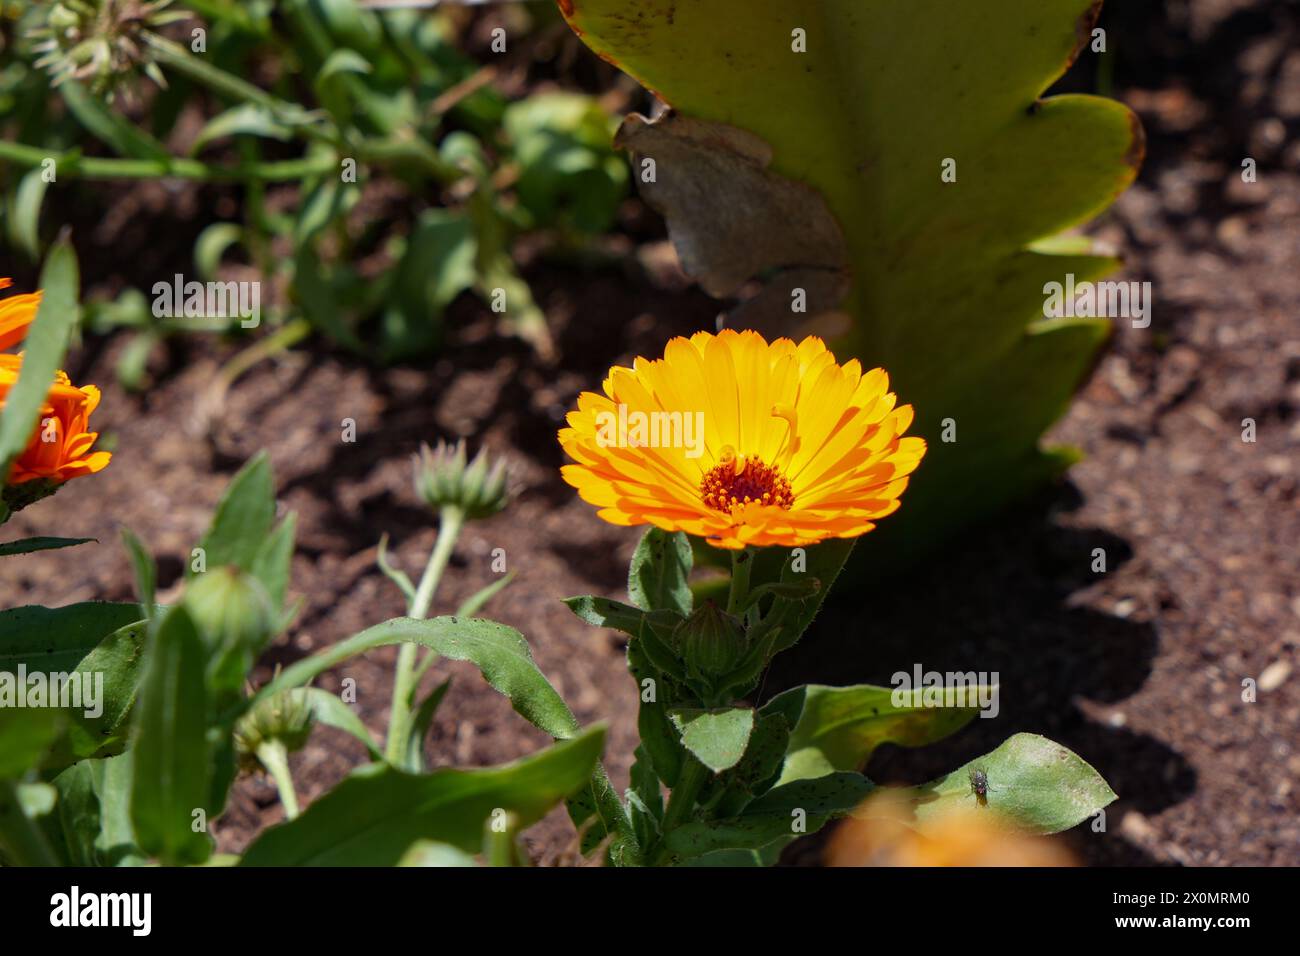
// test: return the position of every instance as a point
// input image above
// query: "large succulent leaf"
(771, 148)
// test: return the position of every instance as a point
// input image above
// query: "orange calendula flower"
(16, 313)
(61, 446)
(743, 442)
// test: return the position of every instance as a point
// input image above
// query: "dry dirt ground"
(1139, 669)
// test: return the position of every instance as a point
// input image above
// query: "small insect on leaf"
(979, 785)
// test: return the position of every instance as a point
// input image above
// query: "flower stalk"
(451, 522)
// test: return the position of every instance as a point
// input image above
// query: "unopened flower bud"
(710, 640)
(282, 720)
(443, 480)
(234, 617)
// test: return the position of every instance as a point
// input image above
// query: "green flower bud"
(711, 641)
(102, 43)
(283, 720)
(443, 480)
(235, 619)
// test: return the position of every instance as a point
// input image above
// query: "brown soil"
(1139, 669)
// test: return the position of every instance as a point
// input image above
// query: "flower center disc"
(725, 489)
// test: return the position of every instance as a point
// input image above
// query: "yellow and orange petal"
(61, 446)
(794, 448)
(16, 313)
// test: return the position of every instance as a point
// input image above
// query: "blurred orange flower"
(884, 832)
(16, 313)
(742, 442)
(60, 447)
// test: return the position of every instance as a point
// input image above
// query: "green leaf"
(661, 740)
(74, 825)
(377, 813)
(497, 274)
(778, 817)
(99, 646)
(501, 654)
(24, 223)
(212, 244)
(243, 519)
(717, 737)
(433, 853)
(421, 723)
(28, 545)
(645, 802)
(112, 129)
(1034, 784)
(327, 200)
(332, 82)
(145, 569)
(272, 562)
(246, 119)
(313, 292)
(759, 768)
(793, 615)
(568, 175)
(838, 728)
(602, 612)
(476, 601)
(823, 170)
(656, 579)
(113, 779)
(173, 762)
(25, 736)
(435, 267)
(47, 340)
(330, 710)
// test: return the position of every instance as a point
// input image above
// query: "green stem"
(276, 761)
(21, 838)
(681, 802)
(228, 84)
(399, 721)
(741, 563)
(173, 167)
